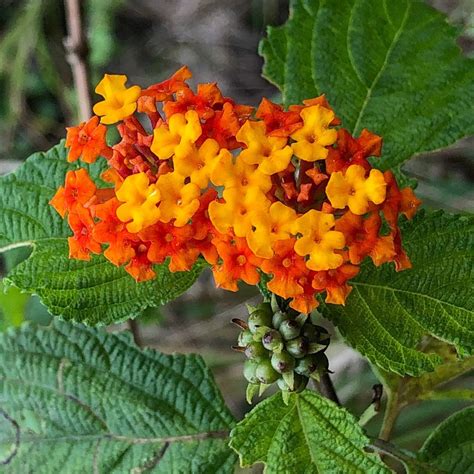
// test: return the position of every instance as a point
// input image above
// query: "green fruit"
(255, 350)
(306, 366)
(272, 340)
(265, 373)
(297, 347)
(278, 318)
(289, 329)
(250, 369)
(245, 338)
(258, 319)
(282, 362)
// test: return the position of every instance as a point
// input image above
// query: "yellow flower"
(182, 129)
(140, 200)
(271, 154)
(240, 175)
(119, 102)
(178, 200)
(355, 190)
(318, 240)
(198, 164)
(237, 210)
(269, 226)
(315, 134)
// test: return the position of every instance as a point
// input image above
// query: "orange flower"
(82, 242)
(140, 266)
(78, 191)
(207, 96)
(278, 122)
(166, 240)
(334, 282)
(362, 238)
(111, 230)
(238, 263)
(286, 266)
(87, 140)
(165, 90)
(306, 301)
(353, 151)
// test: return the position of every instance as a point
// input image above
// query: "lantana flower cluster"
(286, 193)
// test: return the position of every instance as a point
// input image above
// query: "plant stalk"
(76, 49)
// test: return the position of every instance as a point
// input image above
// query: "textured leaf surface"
(388, 313)
(391, 67)
(309, 435)
(451, 446)
(92, 292)
(83, 400)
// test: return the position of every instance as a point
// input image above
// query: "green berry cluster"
(282, 347)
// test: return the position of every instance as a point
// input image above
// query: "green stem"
(392, 411)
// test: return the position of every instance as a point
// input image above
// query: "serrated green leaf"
(310, 434)
(391, 67)
(451, 446)
(94, 292)
(388, 313)
(88, 401)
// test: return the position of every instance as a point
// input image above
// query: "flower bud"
(290, 329)
(255, 350)
(282, 362)
(272, 341)
(278, 318)
(250, 369)
(265, 373)
(297, 347)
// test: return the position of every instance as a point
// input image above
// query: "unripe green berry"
(278, 318)
(255, 350)
(306, 366)
(282, 362)
(272, 341)
(259, 318)
(265, 373)
(245, 337)
(250, 369)
(297, 347)
(289, 329)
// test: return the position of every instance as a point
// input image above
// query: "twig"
(327, 389)
(392, 411)
(76, 49)
(135, 330)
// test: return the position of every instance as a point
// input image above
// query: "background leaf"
(388, 313)
(310, 434)
(451, 446)
(391, 67)
(107, 406)
(94, 292)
